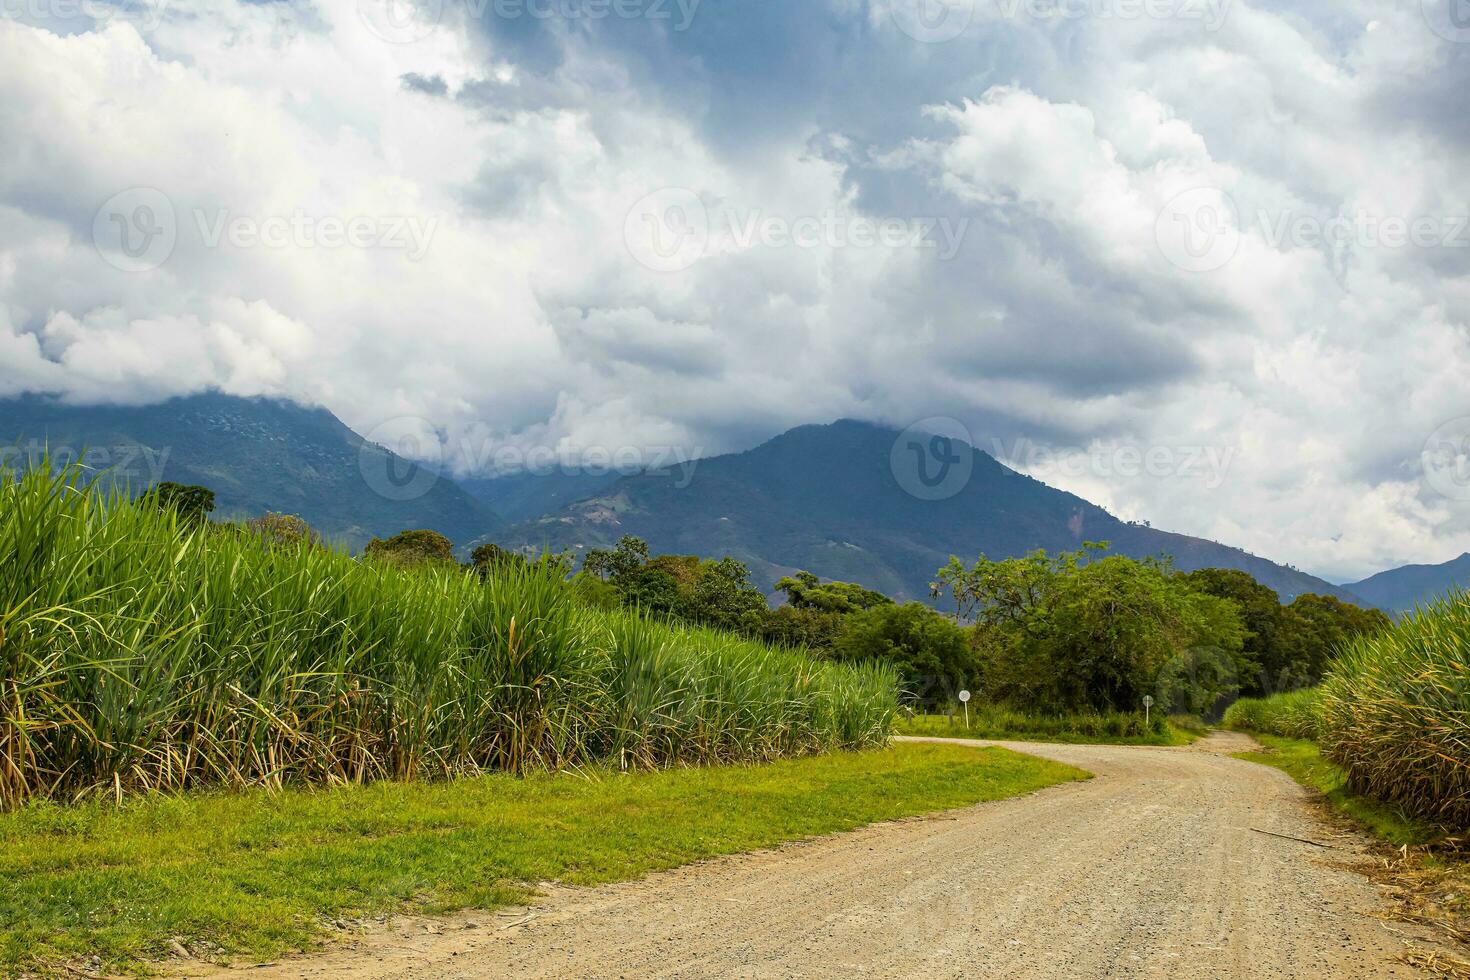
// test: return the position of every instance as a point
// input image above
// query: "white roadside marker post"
(965, 700)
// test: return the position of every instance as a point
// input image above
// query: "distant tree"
(652, 590)
(1325, 624)
(932, 652)
(412, 548)
(1287, 647)
(788, 626)
(806, 591)
(490, 557)
(1269, 642)
(594, 592)
(723, 596)
(629, 556)
(192, 503)
(283, 529)
(1080, 631)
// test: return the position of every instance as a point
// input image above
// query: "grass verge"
(1303, 761)
(1072, 730)
(255, 874)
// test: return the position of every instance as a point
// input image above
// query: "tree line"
(1076, 631)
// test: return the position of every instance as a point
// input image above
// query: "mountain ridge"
(773, 507)
(1404, 588)
(257, 455)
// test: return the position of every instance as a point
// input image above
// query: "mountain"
(525, 496)
(828, 499)
(1401, 589)
(257, 455)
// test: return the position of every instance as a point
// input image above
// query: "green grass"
(993, 722)
(1303, 761)
(255, 873)
(139, 652)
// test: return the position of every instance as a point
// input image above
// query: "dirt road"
(1152, 869)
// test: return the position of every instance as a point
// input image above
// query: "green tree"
(629, 556)
(412, 549)
(490, 558)
(193, 504)
(1285, 647)
(932, 652)
(284, 530)
(1325, 623)
(788, 626)
(722, 596)
(806, 591)
(1081, 630)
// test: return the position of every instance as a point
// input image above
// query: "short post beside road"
(965, 700)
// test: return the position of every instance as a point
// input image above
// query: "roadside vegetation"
(1065, 645)
(257, 873)
(1386, 741)
(1007, 724)
(145, 648)
(1393, 712)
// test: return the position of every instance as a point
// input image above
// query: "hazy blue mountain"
(1401, 589)
(525, 496)
(257, 455)
(826, 499)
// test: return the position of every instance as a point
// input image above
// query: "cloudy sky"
(1205, 262)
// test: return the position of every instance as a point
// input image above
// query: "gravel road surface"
(1155, 868)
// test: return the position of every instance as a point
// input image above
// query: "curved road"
(1152, 869)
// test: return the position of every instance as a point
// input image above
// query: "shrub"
(1296, 714)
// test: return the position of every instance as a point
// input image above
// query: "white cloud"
(516, 311)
